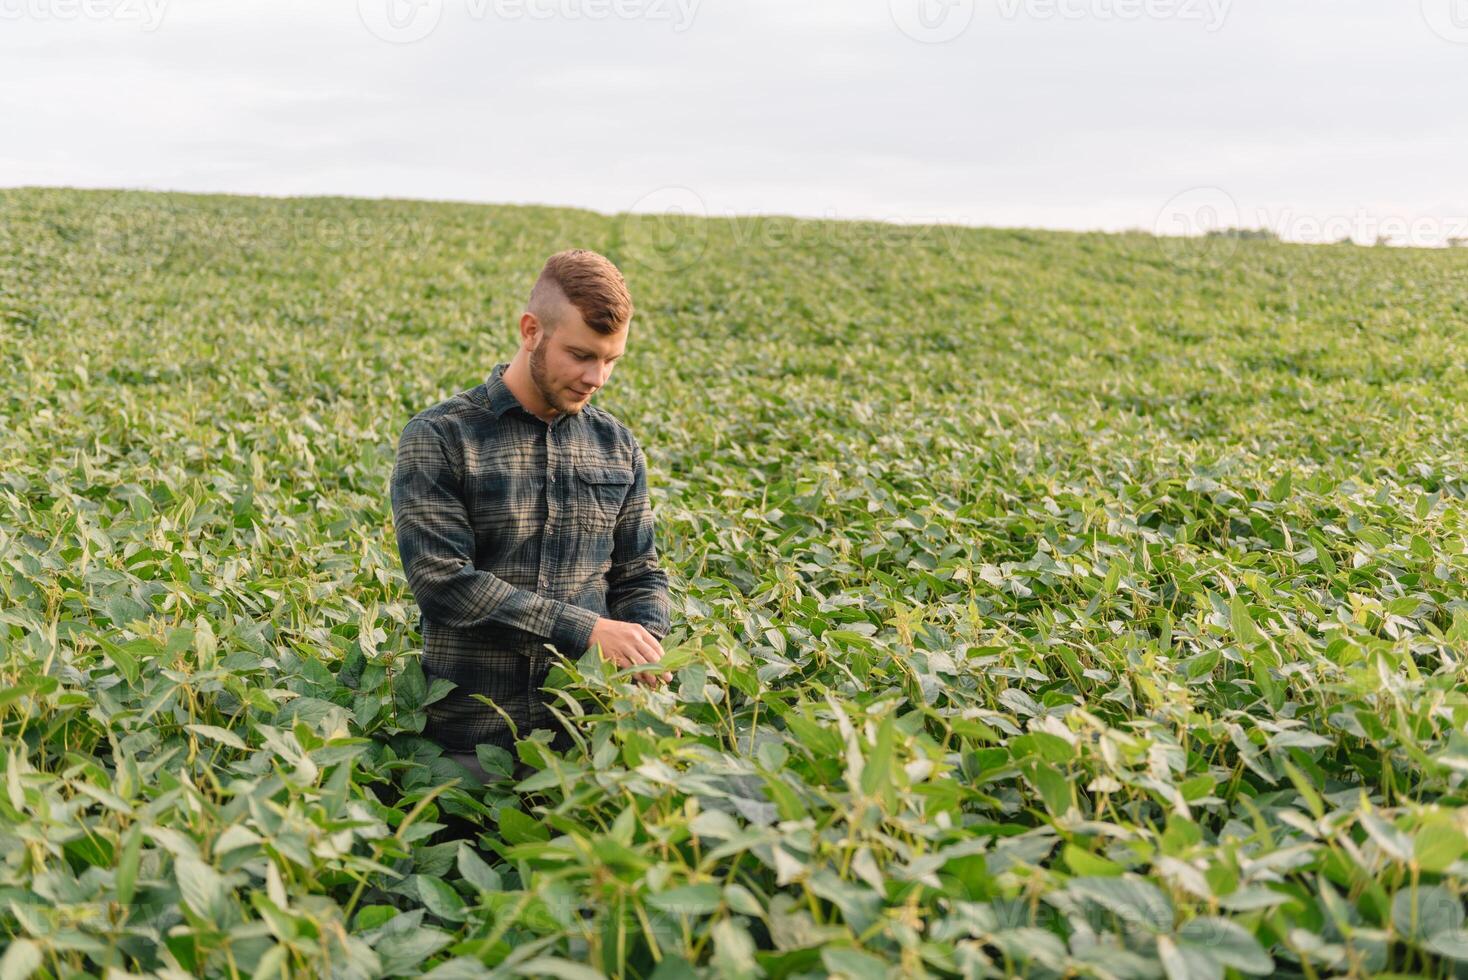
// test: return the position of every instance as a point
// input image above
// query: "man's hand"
(627, 645)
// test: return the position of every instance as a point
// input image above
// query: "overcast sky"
(1316, 118)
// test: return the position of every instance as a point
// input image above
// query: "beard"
(541, 379)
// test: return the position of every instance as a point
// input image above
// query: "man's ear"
(529, 327)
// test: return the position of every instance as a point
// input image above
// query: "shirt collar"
(502, 399)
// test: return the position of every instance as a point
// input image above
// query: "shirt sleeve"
(637, 586)
(436, 544)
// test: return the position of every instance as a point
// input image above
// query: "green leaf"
(124, 657)
(202, 887)
(352, 666)
(853, 963)
(1307, 791)
(1452, 943)
(1054, 789)
(1322, 552)
(859, 905)
(219, 735)
(733, 951)
(876, 774)
(369, 917)
(1242, 622)
(476, 872)
(123, 611)
(674, 967)
(1281, 489)
(1181, 961)
(1138, 903)
(699, 899)
(412, 686)
(404, 952)
(22, 958)
(554, 966)
(1198, 787)
(127, 865)
(1228, 944)
(438, 690)
(1392, 841)
(743, 901)
(1113, 577)
(1201, 665)
(517, 828)
(1085, 863)
(1426, 911)
(440, 898)
(1437, 846)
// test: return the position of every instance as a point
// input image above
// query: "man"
(523, 518)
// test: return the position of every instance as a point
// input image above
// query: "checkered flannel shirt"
(514, 533)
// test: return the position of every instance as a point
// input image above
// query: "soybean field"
(1045, 604)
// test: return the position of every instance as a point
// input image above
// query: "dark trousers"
(460, 828)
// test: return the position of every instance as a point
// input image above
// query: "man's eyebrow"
(583, 350)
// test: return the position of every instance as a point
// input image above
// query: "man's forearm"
(637, 587)
(641, 596)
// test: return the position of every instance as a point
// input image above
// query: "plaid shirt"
(514, 533)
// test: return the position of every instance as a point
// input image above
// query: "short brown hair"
(590, 282)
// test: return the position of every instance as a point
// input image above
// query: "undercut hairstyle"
(589, 282)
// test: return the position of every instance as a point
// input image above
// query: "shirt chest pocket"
(600, 491)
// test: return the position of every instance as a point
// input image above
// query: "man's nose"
(596, 377)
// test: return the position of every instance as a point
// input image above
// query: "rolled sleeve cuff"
(572, 628)
(652, 615)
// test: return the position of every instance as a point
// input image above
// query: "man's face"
(571, 362)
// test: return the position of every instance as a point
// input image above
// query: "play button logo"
(932, 21)
(1447, 18)
(400, 21)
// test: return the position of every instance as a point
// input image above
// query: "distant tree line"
(1268, 235)
(1255, 234)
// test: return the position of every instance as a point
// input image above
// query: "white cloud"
(823, 108)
